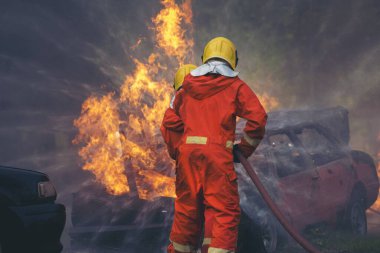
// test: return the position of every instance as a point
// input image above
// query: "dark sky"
(54, 54)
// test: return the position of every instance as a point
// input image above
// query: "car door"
(295, 179)
(334, 169)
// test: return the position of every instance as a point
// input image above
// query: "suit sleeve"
(172, 129)
(166, 134)
(172, 120)
(249, 108)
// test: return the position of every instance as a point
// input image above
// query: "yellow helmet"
(221, 48)
(181, 73)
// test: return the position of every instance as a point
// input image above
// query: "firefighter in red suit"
(172, 133)
(206, 183)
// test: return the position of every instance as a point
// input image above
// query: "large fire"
(120, 130)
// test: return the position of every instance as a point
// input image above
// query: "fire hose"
(268, 200)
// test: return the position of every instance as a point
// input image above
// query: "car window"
(320, 148)
(287, 158)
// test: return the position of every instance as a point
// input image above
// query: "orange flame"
(269, 103)
(170, 34)
(98, 126)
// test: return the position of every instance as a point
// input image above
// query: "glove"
(245, 148)
(234, 150)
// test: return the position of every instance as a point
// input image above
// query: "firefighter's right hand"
(236, 149)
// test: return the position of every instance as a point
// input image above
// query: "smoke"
(53, 55)
(305, 53)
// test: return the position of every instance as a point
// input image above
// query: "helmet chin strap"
(237, 58)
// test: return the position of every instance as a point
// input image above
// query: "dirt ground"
(331, 241)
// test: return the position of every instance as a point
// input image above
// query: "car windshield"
(318, 146)
(288, 159)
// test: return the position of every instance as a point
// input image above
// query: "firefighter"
(172, 138)
(206, 183)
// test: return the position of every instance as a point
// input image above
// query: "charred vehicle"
(30, 219)
(312, 174)
(305, 163)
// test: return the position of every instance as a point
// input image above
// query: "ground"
(329, 241)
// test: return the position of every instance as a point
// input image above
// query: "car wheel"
(269, 233)
(356, 219)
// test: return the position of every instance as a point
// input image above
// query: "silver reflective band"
(206, 241)
(253, 142)
(214, 67)
(183, 248)
(172, 102)
(218, 250)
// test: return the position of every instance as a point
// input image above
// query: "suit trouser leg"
(221, 202)
(188, 214)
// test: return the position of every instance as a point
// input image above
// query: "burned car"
(30, 219)
(312, 174)
(304, 161)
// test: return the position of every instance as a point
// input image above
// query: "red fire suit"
(206, 183)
